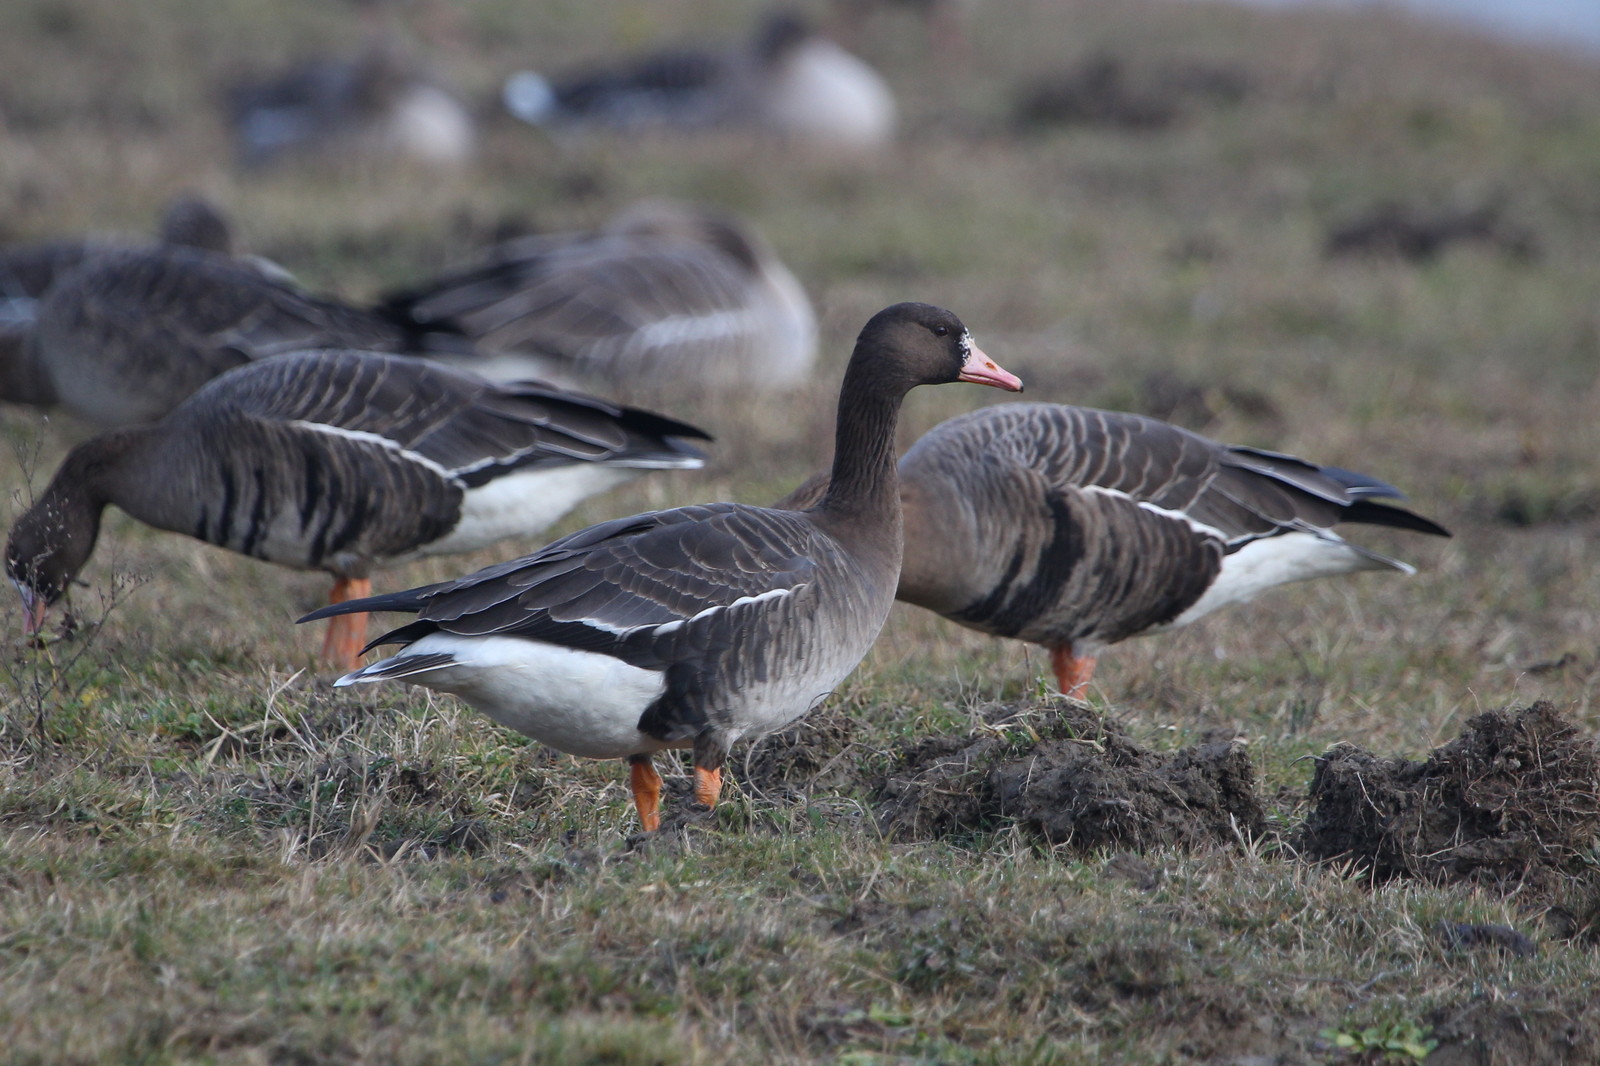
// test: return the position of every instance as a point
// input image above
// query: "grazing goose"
(1076, 529)
(127, 335)
(788, 82)
(380, 102)
(341, 461)
(27, 272)
(696, 626)
(664, 295)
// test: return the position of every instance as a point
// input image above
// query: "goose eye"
(941, 331)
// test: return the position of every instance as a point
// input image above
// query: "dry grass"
(208, 855)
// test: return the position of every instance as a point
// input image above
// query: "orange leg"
(646, 784)
(347, 633)
(707, 785)
(1072, 671)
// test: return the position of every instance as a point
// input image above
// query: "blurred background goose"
(696, 626)
(1076, 529)
(787, 81)
(29, 270)
(380, 102)
(666, 295)
(128, 334)
(342, 461)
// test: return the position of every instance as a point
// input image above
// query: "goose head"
(46, 551)
(912, 344)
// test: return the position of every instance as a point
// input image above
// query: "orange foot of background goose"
(347, 633)
(1072, 671)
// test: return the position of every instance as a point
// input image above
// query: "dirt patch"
(808, 753)
(1514, 800)
(1065, 774)
(1490, 1032)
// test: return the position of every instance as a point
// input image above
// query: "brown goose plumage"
(130, 333)
(342, 461)
(665, 297)
(1075, 528)
(28, 271)
(696, 626)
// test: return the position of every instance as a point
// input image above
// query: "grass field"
(209, 855)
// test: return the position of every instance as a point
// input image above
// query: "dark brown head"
(914, 344)
(194, 222)
(780, 34)
(48, 546)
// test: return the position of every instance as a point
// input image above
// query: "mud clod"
(1072, 778)
(808, 752)
(1514, 799)
(1487, 1032)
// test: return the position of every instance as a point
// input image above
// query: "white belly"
(579, 702)
(1274, 561)
(525, 503)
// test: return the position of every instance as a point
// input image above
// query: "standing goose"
(696, 626)
(129, 334)
(787, 82)
(665, 294)
(1075, 529)
(342, 461)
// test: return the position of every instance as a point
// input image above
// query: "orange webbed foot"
(707, 785)
(646, 785)
(1072, 671)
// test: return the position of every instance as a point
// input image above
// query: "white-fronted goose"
(342, 461)
(28, 271)
(1076, 529)
(787, 81)
(381, 102)
(696, 626)
(666, 294)
(128, 334)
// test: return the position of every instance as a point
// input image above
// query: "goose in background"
(944, 22)
(380, 102)
(346, 462)
(1076, 529)
(28, 270)
(691, 627)
(787, 82)
(666, 295)
(128, 334)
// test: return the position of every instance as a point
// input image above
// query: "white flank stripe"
(381, 441)
(1165, 512)
(770, 594)
(692, 329)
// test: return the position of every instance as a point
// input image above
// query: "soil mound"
(806, 753)
(1062, 772)
(1487, 1032)
(1514, 799)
